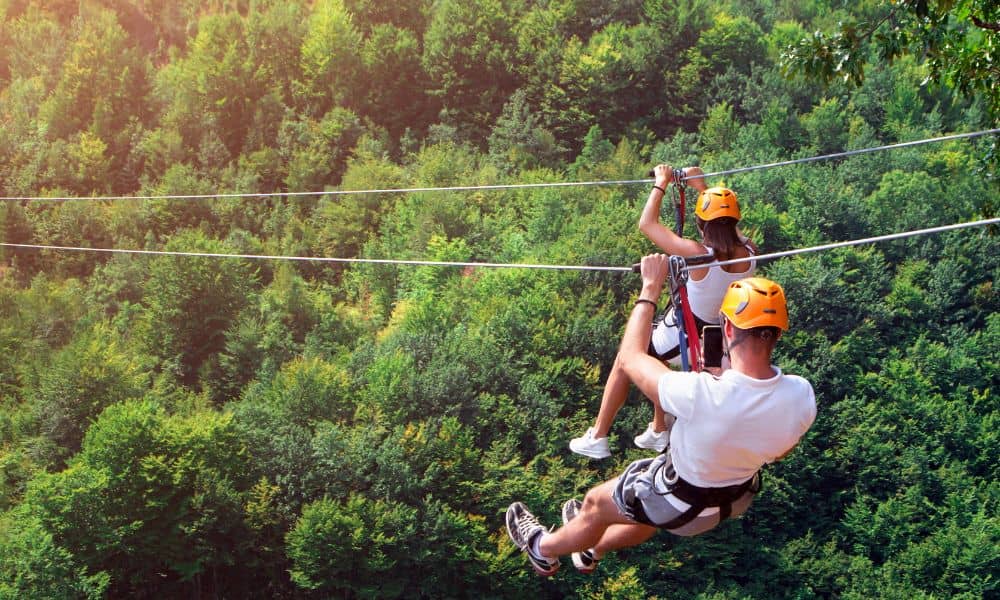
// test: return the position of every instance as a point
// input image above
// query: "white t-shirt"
(729, 426)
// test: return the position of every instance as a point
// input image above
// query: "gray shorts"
(645, 482)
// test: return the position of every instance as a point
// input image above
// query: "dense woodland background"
(223, 428)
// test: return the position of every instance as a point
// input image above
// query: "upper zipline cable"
(509, 186)
(847, 153)
(386, 261)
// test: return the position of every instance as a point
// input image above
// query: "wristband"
(643, 300)
(656, 187)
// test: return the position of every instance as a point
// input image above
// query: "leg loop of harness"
(699, 498)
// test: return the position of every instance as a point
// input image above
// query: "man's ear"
(727, 328)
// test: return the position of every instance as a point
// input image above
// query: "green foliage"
(517, 141)
(731, 42)
(330, 62)
(825, 126)
(150, 499)
(719, 128)
(209, 427)
(956, 40)
(33, 565)
(468, 54)
(188, 310)
(88, 375)
(335, 544)
(391, 62)
(307, 391)
(102, 83)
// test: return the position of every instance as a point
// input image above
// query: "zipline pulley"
(677, 195)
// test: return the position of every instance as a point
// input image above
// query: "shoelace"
(527, 524)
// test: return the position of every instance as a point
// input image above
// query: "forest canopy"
(195, 426)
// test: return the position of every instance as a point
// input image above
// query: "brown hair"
(720, 235)
(765, 337)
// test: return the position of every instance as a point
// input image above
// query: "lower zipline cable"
(871, 240)
(380, 261)
(427, 263)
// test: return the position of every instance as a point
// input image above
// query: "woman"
(717, 214)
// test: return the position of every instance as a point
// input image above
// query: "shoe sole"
(577, 558)
(657, 447)
(541, 572)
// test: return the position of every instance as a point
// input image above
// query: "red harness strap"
(691, 329)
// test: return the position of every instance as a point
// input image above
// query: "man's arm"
(641, 368)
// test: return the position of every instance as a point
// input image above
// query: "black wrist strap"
(643, 300)
(656, 187)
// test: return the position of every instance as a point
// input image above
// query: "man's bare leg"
(622, 536)
(587, 530)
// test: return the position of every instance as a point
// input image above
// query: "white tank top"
(705, 296)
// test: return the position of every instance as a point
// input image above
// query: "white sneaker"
(590, 446)
(652, 440)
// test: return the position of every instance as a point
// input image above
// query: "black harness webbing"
(700, 498)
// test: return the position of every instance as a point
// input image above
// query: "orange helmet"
(716, 202)
(755, 302)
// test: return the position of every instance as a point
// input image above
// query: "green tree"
(468, 53)
(191, 302)
(826, 125)
(354, 547)
(718, 130)
(37, 45)
(316, 151)
(151, 500)
(330, 60)
(596, 149)
(101, 89)
(518, 141)
(409, 14)
(396, 83)
(956, 40)
(33, 565)
(731, 42)
(88, 375)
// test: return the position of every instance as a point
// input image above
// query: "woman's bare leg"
(662, 420)
(615, 394)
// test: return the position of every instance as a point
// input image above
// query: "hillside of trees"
(176, 426)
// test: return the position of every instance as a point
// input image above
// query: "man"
(726, 429)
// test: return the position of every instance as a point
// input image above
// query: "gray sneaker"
(583, 561)
(522, 527)
(589, 446)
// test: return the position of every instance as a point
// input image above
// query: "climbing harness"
(699, 498)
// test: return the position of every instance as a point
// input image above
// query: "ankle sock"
(536, 546)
